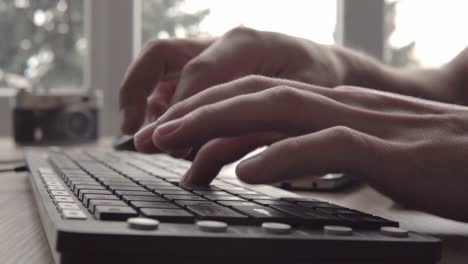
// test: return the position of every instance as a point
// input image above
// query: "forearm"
(440, 84)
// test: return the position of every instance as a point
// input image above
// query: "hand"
(197, 65)
(411, 149)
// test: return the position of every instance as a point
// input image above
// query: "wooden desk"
(22, 239)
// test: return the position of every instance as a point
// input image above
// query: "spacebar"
(219, 213)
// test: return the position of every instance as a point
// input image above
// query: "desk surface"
(22, 239)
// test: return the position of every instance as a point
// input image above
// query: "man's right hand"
(169, 71)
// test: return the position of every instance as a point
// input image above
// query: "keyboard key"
(66, 199)
(184, 197)
(116, 213)
(299, 199)
(209, 192)
(87, 197)
(87, 187)
(126, 188)
(73, 214)
(237, 203)
(120, 193)
(257, 197)
(175, 192)
(264, 214)
(59, 193)
(85, 191)
(162, 187)
(168, 215)
(270, 202)
(143, 204)
(319, 205)
(93, 203)
(154, 198)
(185, 203)
(224, 198)
(312, 216)
(217, 212)
(72, 206)
(56, 188)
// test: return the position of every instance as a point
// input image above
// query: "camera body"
(55, 118)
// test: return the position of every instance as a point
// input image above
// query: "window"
(42, 43)
(425, 33)
(314, 20)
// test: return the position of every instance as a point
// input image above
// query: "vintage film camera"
(55, 118)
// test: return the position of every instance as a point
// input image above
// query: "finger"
(237, 53)
(337, 149)
(281, 109)
(160, 60)
(242, 86)
(221, 151)
(158, 101)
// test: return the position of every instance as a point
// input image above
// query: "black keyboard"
(123, 207)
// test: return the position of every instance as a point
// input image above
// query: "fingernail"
(186, 179)
(247, 167)
(144, 137)
(169, 127)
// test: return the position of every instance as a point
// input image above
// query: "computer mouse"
(125, 142)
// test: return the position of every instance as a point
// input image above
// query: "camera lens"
(78, 125)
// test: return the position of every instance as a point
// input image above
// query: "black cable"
(20, 168)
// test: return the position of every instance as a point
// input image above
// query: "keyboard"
(120, 207)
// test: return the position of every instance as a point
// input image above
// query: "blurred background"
(69, 45)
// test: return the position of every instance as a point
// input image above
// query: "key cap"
(85, 191)
(175, 192)
(312, 216)
(184, 197)
(270, 202)
(162, 187)
(73, 214)
(168, 215)
(120, 193)
(67, 199)
(59, 193)
(56, 188)
(93, 203)
(143, 204)
(265, 214)
(224, 198)
(88, 197)
(154, 198)
(126, 188)
(116, 213)
(257, 197)
(218, 213)
(237, 203)
(210, 192)
(72, 206)
(299, 199)
(87, 187)
(185, 203)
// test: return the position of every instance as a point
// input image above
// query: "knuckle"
(158, 45)
(253, 82)
(197, 66)
(201, 113)
(242, 31)
(346, 136)
(286, 96)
